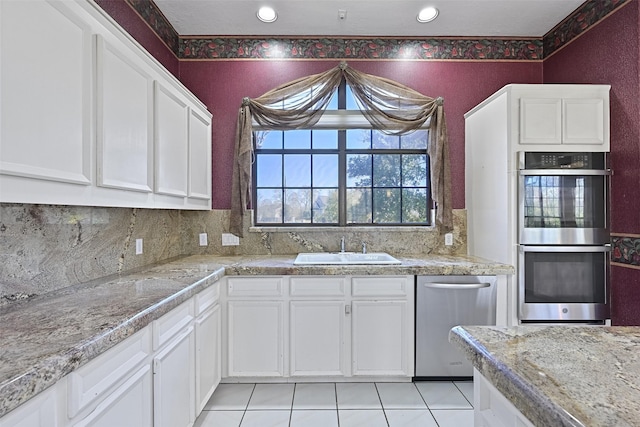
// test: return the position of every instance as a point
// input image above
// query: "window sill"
(321, 229)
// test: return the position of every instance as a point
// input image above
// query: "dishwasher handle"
(457, 285)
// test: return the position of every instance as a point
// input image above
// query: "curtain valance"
(389, 106)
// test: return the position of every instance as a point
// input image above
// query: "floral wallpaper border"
(586, 16)
(356, 48)
(519, 49)
(625, 250)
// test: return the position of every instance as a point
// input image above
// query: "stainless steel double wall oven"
(564, 243)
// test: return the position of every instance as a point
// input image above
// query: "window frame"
(340, 120)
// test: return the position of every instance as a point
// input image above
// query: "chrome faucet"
(342, 248)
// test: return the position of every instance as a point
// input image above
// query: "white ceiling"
(465, 18)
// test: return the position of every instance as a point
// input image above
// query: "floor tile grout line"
(377, 387)
(384, 411)
(463, 395)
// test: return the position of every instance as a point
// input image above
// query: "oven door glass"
(563, 208)
(564, 283)
(564, 277)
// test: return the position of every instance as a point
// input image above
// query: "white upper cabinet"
(199, 156)
(45, 93)
(554, 117)
(171, 134)
(583, 121)
(562, 121)
(124, 118)
(540, 121)
(93, 119)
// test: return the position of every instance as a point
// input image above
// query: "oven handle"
(457, 285)
(581, 249)
(565, 172)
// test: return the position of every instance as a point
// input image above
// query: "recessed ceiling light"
(427, 14)
(267, 14)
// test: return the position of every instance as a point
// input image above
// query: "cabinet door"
(45, 95)
(317, 338)
(199, 156)
(380, 338)
(174, 383)
(124, 119)
(540, 121)
(171, 136)
(128, 406)
(208, 356)
(40, 411)
(583, 121)
(255, 336)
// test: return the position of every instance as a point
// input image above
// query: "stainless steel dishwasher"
(443, 302)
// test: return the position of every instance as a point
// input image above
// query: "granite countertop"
(427, 265)
(560, 375)
(46, 337)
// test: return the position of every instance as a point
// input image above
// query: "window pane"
(269, 170)
(297, 205)
(297, 170)
(386, 170)
(333, 103)
(380, 140)
(386, 205)
(418, 139)
(359, 206)
(414, 205)
(325, 139)
(414, 170)
(269, 206)
(270, 139)
(358, 139)
(325, 206)
(359, 170)
(300, 139)
(351, 100)
(325, 170)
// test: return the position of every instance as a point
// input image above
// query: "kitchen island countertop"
(560, 375)
(46, 337)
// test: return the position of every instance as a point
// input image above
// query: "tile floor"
(425, 404)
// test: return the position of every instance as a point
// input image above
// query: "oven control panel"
(539, 160)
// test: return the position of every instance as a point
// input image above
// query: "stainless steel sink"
(344, 258)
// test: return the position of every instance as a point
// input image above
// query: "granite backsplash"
(45, 247)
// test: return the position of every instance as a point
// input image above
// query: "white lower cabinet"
(492, 408)
(256, 338)
(151, 379)
(208, 363)
(317, 338)
(44, 410)
(174, 382)
(379, 342)
(319, 327)
(130, 405)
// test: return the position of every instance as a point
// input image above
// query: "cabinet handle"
(457, 285)
(347, 309)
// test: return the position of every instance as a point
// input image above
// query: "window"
(340, 172)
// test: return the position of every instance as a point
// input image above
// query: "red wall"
(221, 85)
(122, 13)
(609, 53)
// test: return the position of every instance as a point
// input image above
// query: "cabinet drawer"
(207, 298)
(380, 286)
(89, 382)
(172, 323)
(317, 286)
(255, 286)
